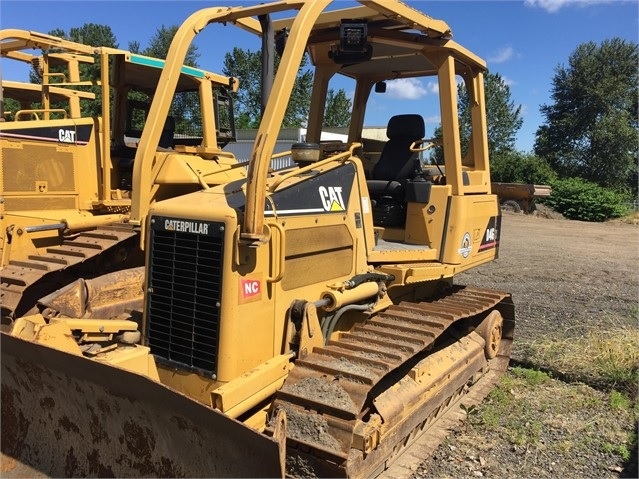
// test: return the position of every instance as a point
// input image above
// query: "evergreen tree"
(502, 116)
(503, 119)
(591, 129)
(246, 65)
(338, 109)
(160, 43)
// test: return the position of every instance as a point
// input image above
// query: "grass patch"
(618, 401)
(533, 377)
(621, 450)
(607, 360)
(631, 219)
(532, 412)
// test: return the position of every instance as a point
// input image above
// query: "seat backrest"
(168, 132)
(402, 131)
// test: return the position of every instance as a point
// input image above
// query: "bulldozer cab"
(86, 114)
(410, 202)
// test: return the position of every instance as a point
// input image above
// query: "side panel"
(473, 232)
(49, 165)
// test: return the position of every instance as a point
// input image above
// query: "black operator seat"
(168, 133)
(396, 162)
(391, 186)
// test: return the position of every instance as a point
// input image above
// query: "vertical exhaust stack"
(253, 232)
(268, 58)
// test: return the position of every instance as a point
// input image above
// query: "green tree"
(503, 118)
(246, 65)
(591, 129)
(9, 108)
(519, 167)
(89, 34)
(338, 109)
(298, 105)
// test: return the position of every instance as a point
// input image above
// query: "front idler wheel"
(491, 329)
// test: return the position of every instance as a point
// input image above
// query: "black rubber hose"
(365, 277)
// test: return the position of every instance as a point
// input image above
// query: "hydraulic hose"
(363, 278)
(327, 329)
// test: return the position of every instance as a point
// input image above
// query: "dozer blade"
(68, 416)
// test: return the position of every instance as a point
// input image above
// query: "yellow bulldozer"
(299, 322)
(68, 144)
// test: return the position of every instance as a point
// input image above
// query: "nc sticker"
(466, 246)
(250, 290)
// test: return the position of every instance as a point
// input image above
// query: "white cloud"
(552, 6)
(507, 81)
(502, 55)
(406, 89)
(433, 120)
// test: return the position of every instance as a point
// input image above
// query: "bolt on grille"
(183, 314)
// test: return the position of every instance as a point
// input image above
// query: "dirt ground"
(565, 277)
(564, 274)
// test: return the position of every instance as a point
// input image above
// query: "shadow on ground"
(630, 467)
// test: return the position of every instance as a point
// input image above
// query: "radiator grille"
(185, 285)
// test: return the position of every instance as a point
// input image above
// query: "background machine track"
(86, 254)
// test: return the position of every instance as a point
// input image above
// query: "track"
(86, 254)
(359, 401)
(420, 446)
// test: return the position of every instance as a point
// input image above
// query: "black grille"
(185, 285)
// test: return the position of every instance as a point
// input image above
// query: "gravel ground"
(565, 277)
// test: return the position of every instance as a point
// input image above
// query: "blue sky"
(523, 41)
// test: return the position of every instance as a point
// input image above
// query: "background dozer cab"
(315, 304)
(68, 145)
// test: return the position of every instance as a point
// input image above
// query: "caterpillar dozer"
(68, 144)
(299, 322)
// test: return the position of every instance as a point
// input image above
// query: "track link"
(24, 282)
(334, 397)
